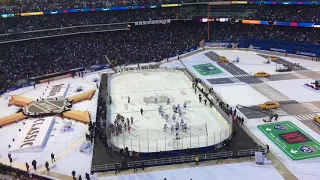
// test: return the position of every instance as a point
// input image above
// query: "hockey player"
(177, 126)
(180, 112)
(177, 136)
(128, 121)
(172, 128)
(162, 114)
(141, 111)
(178, 106)
(174, 117)
(125, 126)
(185, 104)
(155, 100)
(168, 101)
(182, 121)
(131, 120)
(173, 107)
(159, 110)
(165, 127)
(128, 99)
(185, 127)
(167, 117)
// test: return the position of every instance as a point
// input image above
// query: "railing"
(249, 152)
(166, 161)
(180, 159)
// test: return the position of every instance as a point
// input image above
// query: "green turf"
(207, 69)
(294, 142)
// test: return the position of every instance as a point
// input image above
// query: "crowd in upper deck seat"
(268, 12)
(20, 24)
(14, 6)
(21, 60)
(292, 13)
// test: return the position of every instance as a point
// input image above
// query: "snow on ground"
(242, 94)
(5, 110)
(175, 64)
(239, 171)
(65, 145)
(200, 58)
(303, 169)
(149, 127)
(250, 62)
(296, 90)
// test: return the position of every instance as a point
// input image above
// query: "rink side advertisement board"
(293, 141)
(207, 69)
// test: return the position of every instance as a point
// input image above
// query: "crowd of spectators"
(293, 13)
(8, 172)
(25, 59)
(32, 23)
(12, 6)
(21, 24)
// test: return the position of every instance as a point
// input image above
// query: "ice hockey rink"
(205, 126)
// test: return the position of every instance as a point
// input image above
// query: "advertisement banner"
(55, 78)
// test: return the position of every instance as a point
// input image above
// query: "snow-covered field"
(205, 127)
(296, 90)
(65, 145)
(240, 94)
(238, 171)
(250, 62)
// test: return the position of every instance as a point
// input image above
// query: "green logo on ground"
(207, 69)
(296, 143)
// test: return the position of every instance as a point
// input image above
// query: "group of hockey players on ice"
(120, 124)
(176, 126)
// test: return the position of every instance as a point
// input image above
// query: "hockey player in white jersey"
(181, 121)
(180, 112)
(178, 106)
(177, 126)
(184, 127)
(167, 117)
(162, 114)
(172, 128)
(173, 117)
(173, 107)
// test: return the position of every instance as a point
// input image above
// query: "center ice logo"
(279, 127)
(307, 149)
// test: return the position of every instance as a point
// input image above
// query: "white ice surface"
(149, 127)
(296, 90)
(250, 62)
(238, 171)
(242, 94)
(303, 169)
(59, 142)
